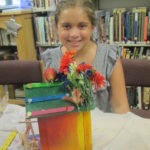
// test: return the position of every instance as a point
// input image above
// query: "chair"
(137, 73)
(20, 72)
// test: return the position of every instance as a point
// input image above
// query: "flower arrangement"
(78, 79)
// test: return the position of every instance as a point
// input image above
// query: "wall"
(109, 4)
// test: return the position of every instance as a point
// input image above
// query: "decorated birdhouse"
(62, 124)
(62, 105)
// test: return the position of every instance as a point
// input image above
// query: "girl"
(75, 21)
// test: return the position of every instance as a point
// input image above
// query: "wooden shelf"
(25, 38)
(15, 12)
(12, 45)
(134, 45)
(25, 43)
(35, 10)
(17, 101)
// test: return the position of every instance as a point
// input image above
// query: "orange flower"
(66, 59)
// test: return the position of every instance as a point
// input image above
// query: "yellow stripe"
(8, 141)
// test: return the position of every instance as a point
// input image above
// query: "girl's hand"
(76, 97)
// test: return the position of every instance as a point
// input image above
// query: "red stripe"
(53, 110)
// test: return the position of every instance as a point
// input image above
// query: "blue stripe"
(39, 99)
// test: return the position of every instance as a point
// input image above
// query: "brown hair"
(87, 5)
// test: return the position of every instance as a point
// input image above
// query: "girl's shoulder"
(51, 51)
(51, 57)
(108, 52)
(108, 49)
(106, 57)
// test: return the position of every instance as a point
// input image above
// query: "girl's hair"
(87, 5)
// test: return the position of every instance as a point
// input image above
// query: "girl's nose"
(74, 32)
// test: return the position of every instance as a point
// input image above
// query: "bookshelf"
(22, 47)
(44, 24)
(25, 40)
(134, 45)
(129, 48)
(125, 23)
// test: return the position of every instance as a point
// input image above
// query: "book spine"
(115, 25)
(143, 11)
(148, 30)
(122, 27)
(46, 3)
(145, 28)
(124, 53)
(127, 27)
(119, 24)
(111, 29)
(146, 98)
(136, 25)
(139, 24)
(107, 24)
(139, 97)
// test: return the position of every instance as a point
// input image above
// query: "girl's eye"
(66, 26)
(82, 26)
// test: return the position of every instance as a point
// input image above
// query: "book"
(111, 29)
(143, 11)
(128, 53)
(146, 98)
(139, 24)
(100, 27)
(148, 54)
(135, 11)
(132, 96)
(127, 26)
(145, 29)
(124, 53)
(130, 36)
(115, 15)
(141, 52)
(107, 24)
(148, 30)
(139, 97)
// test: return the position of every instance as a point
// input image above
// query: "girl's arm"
(118, 90)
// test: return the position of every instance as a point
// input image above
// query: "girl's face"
(74, 28)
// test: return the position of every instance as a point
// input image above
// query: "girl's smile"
(74, 43)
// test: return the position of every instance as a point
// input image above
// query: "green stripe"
(43, 84)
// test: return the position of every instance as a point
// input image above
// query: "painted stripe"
(8, 140)
(46, 98)
(42, 85)
(53, 110)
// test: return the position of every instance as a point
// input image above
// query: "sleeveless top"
(104, 62)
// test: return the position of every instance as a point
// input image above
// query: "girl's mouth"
(74, 43)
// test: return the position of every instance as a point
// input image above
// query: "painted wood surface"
(66, 132)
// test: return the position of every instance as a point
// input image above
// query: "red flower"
(83, 67)
(98, 80)
(66, 59)
(50, 74)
